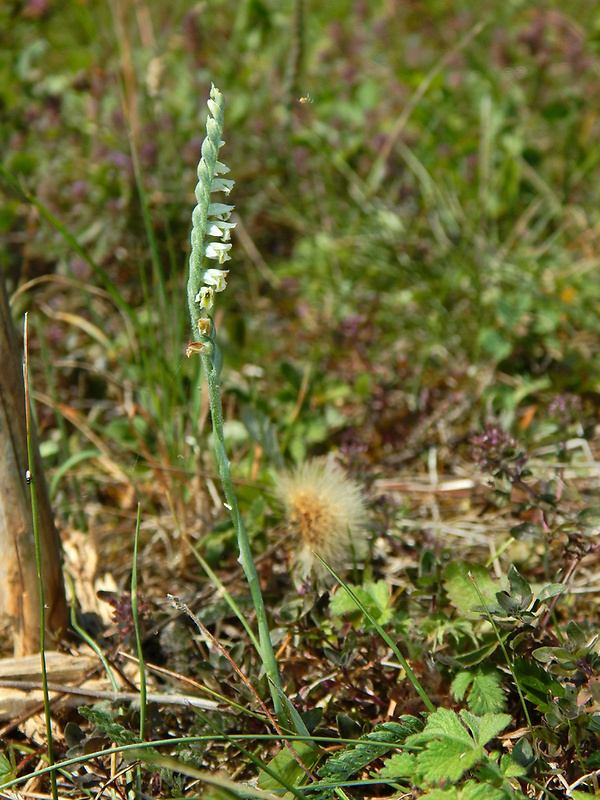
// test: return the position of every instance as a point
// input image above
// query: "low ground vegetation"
(413, 293)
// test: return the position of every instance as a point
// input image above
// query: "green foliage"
(460, 585)
(536, 683)
(107, 725)
(579, 652)
(517, 604)
(285, 770)
(375, 597)
(420, 209)
(369, 747)
(482, 687)
(448, 748)
(453, 744)
(8, 767)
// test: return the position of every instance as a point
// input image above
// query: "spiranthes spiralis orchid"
(211, 231)
(211, 223)
(326, 515)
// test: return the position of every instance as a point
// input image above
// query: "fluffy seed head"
(326, 514)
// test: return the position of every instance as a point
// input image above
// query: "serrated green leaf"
(431, 728)
(374, 596)
(447, 759)
(355, 757)
(341, 603)
(461, 683)
(449, 748)
(460, 588)
(445, 722)
(380, 592)
(400, 765)
(486, 695)
(487, 727)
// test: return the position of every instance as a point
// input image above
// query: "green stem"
(138, 639)
(136, 624)
(245, 558)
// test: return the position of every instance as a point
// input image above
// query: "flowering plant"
(213, 220)
(211, 228)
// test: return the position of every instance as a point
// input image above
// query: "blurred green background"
(417, 199)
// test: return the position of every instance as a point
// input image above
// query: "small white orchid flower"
(218, 251)
(220, 211)
(205, 297)
(221, 229)
(221, 185)
(216, 278)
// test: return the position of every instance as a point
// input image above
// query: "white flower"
(218, 251)
(221, 229)
(216, 278)
(206, 297)
(221, 211)
(221, 185)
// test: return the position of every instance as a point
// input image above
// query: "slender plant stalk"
(136, 625)
(138, 640)
(31, 477)
(210, 219)
(86, 637)
(245, 557)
